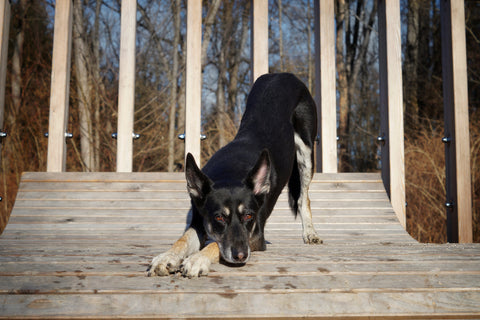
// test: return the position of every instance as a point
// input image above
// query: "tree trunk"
(173, 83)
(411, 63)
(83, 90)
(342, 85)
(16, 78)
(280, 35)
(100, 89)
(233, 84)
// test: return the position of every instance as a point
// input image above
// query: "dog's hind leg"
(298, 187)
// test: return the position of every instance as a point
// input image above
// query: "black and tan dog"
(234, 194)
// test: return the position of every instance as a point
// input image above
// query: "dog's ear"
(259, 178)
(198, 184)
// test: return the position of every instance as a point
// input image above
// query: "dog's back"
(278, 106)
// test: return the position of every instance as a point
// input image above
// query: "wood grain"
(60, 87)
(326, 96)
(126, 92)
(77, 246)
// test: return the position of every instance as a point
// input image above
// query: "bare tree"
(176, 10)
(353, 42)
(16, 78)
(81, 55)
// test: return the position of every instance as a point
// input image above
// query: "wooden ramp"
(77, 246)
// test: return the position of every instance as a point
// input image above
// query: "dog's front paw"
(164, 264)
(312, 238)
(195, 266)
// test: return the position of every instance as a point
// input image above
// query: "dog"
(234, 194)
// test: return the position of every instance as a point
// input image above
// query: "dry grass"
(425, 179)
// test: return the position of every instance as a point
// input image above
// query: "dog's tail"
(294, 185)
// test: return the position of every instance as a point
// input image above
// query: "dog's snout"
(239, 256)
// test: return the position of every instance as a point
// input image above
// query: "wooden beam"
(325, 91)
(59, 92)
(391, 105)
(193, 89)
(259, 41)
(4, 31)
(455, 100)
(126, 92)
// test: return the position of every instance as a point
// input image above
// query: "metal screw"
(446, 139)
(114, 135)
(450, 205)
(3, 134)
(381, 139)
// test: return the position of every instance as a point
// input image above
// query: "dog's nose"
(239, 256)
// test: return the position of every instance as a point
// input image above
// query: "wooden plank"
(352, 177)
(193, 75)
(143, 204)
(259, 41)
(278, 282)
(455, 101)
(231, 304)
(60, 87)
(102, 267)
(391, 105)
(99, 186)
(126, 86)
(182, 195)
(325, 80)
(4, 33)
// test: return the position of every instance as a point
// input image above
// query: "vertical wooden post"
(4, 31)
(193, 89)
(126, 92)
(391, 105)
(259, 41)
(59, 92)
(325, 80)
(457, 139)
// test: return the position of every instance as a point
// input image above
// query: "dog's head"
(230, 213)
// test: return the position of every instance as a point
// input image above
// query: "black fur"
(234, 194)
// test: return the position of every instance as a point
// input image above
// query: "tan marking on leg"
(169, 262)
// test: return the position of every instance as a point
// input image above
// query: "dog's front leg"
(169, 262)
(199, 264)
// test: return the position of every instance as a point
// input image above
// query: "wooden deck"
(77, 246)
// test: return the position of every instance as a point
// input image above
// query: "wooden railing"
(391, 100)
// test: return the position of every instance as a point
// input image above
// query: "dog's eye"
(220, 218)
